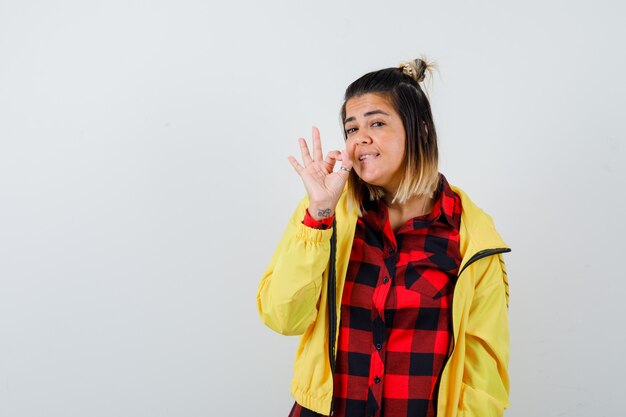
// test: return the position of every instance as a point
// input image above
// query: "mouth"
(367, 156)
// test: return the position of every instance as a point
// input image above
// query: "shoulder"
(478, 226)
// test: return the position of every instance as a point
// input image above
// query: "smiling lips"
(366, 156)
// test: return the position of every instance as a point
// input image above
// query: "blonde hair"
(401, 86)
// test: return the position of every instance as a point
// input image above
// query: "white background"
(144, 184)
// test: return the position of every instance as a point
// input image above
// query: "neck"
(414, 206)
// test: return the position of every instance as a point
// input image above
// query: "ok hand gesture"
(323, 185)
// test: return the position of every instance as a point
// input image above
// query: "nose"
(363, 138)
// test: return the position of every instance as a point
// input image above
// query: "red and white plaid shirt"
(395, 329)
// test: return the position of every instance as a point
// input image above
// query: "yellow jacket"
(292, 300)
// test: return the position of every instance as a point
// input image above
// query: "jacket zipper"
(483, 254)
(477, 256)
(332, 309)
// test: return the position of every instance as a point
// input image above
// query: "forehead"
(359, 105)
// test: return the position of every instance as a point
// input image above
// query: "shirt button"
(376, 380)
(379, 346)
(385, 280)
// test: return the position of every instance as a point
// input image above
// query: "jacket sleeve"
(287, 298)
(485, 377)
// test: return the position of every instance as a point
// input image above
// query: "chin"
(372, 181)
(371, 178)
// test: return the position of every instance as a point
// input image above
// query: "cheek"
(399, 152)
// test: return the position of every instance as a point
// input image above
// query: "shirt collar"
(446, 210)
(447, 207)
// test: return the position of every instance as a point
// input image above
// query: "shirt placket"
(379, 298)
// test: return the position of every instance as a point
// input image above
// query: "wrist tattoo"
(324, 213)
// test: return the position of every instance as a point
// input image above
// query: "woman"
(392, 277)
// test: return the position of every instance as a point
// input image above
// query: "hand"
(322, 184)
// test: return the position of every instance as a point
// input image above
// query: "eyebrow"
(369, 113)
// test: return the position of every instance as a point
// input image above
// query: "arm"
(289, 291)
(485, 377)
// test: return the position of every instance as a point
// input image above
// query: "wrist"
(321, 212)
(317, 224)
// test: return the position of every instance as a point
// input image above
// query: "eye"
(350, 130)
(378, 124)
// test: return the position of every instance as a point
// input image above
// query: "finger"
(304, 150)
(332, 157)
(295, 164)
(350, 148)
(317, 145)
(345, 160)
(346, 164)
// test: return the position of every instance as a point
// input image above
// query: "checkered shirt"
(395, 329)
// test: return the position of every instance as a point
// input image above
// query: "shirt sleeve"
(315, 224)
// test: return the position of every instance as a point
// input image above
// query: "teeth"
(362, 157)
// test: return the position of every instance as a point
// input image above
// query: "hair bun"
(416, 68)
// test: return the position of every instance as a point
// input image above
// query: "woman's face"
(375, 140)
